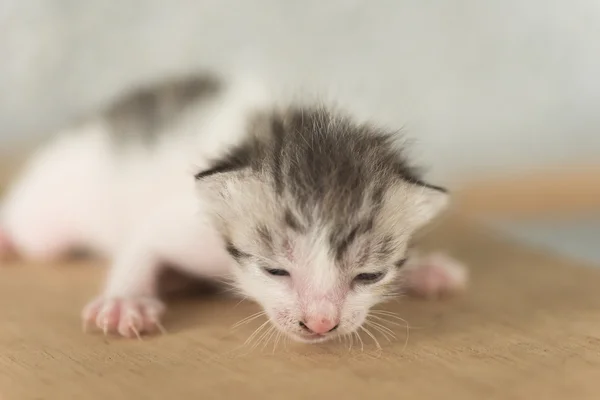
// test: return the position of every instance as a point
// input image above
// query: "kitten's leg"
(434, 275)
(130, 304)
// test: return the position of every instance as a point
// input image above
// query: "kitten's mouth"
(311, 337)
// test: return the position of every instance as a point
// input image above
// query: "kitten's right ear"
(224, 185)
(229, 188)
(416, 203)
(236, 160)
(429, 201)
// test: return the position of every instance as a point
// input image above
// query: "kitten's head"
(317, 212)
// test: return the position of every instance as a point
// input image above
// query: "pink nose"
(319, 325)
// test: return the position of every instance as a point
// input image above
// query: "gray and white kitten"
(304, 210)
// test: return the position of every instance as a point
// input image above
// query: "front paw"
(435, 275)
(125, 316)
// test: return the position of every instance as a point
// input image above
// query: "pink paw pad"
(436, 275)
(128, 317)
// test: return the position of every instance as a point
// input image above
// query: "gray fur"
(318, 171)
(144, 114)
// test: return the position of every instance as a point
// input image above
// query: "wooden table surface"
(527, 328)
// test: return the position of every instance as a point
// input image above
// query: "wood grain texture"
(527, 328)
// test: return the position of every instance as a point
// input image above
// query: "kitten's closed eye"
(276, 272)
(369, 277)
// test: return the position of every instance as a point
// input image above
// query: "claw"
(125, 317)
(159, 326)
(135, 331)
(105, 326)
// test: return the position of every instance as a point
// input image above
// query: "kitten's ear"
(218, 183)
(233, 196)
(227, 184)
(430, 202)
(417, 203)
(236, 160)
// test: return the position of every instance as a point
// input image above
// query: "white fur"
(139, 210)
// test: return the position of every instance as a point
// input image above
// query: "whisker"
(240, 302)
(378, 329)
(248, 319)
(383, 315)
(380, 314)
(390, 314)
(229, 285)
(387, 320)
(256, 331)
(234, 290)
(268, 338)
(407, 336)
(385, 312)
(362, 344)
(393, 296)
(222, 279)
(262, 337)
(285, 342)
(382, 327)
(368, 332)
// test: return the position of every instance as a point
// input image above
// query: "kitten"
(303, 209)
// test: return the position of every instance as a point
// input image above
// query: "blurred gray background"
(483, 86)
